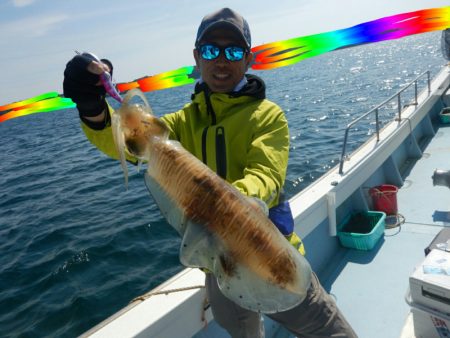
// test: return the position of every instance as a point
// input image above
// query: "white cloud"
(22, 3)
(31, 27)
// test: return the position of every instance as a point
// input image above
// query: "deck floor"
(370, 287)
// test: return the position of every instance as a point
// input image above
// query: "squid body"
(221, 229)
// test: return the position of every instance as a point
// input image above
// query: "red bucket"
(384, 198)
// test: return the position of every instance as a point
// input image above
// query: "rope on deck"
(399, 219)
(164, 292)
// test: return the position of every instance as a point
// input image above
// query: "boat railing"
(375, 111)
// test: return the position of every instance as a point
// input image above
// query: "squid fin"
(201, 248)
(171, 212)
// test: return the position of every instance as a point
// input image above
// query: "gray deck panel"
(371, 285)
(419, 201)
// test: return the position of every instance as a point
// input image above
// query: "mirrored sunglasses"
(211, 52)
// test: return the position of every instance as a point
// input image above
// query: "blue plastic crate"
(362, 230)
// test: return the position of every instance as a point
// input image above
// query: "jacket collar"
(214, 106)
(253, 86)
(238, 87)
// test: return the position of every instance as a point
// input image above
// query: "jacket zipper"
(221, 154)
(204, 133)
(211, 112)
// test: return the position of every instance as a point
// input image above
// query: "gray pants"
(317, 316)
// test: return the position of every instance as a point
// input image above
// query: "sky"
(146, 37)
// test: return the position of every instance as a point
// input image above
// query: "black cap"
(228, 18)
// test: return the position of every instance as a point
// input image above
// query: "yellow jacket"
(242, 136)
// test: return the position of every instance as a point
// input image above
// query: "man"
(239, 134)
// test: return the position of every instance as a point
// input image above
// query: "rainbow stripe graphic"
(39, 104)
(288, 52)
(267, 56)
(174, 78)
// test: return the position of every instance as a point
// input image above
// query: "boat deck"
(370, 287)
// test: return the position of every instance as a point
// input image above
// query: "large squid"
(221, 229)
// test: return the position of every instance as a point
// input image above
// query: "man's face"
(220, 74)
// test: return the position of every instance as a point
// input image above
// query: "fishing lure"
(105, 79)
(110, 88)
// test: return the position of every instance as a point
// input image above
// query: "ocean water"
(75, 246)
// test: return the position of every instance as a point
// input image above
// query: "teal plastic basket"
(362, 230)
(445, 115)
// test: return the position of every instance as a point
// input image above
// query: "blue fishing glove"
(281, 216)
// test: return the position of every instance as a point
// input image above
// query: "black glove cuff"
(97, 125)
